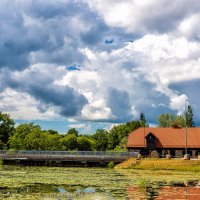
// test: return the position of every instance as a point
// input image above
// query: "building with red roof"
(174, 141)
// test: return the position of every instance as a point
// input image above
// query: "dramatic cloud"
(145, 16)
(100, 61)
(38, 81)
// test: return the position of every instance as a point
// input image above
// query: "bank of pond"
(106, 161)
(160, 164)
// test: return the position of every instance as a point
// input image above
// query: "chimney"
(176, 125)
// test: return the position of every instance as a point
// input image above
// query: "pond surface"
(96, 184)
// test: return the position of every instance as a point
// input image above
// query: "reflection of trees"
(48, 191)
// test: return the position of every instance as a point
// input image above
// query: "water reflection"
(42, 191)
(146, 191)
(164, 193)
(189, 193)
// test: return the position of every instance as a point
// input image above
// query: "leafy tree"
(69, 142)
(85, 144)
(169, 120)
(133, 125)
(6, 130)
(33, 141)
(117, 134)
(50, 142)
(189, 117)
(122, 145)
(72, 131)
(180, 121)
(52, 132)
(31, 137)
(101, 139)
(17, 140)
(113, 138)
(142, 120)
(166, 120)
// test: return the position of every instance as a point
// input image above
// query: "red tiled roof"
(166, 137)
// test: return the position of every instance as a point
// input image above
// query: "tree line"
(169, 120)
(29, 136)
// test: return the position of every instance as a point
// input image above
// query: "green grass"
(161, 164)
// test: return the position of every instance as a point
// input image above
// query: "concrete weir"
(64, 158)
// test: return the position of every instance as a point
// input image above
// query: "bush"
(139, 156)
(111, 165)
(1, 162)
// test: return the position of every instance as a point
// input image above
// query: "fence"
(45, 155)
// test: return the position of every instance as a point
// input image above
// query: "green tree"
(166, 120)
(101, 139)
(6, 130)
(52, 132)
(50, 142)
(85, 144)
(169, 120)
(122, 145)
(69, 142)
(72, 131)
(113, 138)
(189, 117)
(33, 141)
(17, 140)
(142, 120)
(180, 121)
(133, 125)
(118, 133)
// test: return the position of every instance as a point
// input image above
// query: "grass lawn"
(161, 164)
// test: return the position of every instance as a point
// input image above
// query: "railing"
(66, 154)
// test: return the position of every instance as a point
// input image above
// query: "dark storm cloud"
(45, 32)
(95, 33)
(191, 90)
(120, 105)
(13, 47)
(148, 103)
(42, 88)
(38, 31)
(51, 32)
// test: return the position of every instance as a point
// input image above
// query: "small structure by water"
(165, 141)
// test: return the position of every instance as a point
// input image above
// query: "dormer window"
(151, 141)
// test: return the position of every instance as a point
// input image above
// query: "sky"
(90, 64)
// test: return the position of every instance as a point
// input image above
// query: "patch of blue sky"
(73, 67)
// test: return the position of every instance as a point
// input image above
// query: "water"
(96, 184)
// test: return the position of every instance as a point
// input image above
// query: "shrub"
(139, 156)
(111, 165)
(1, 162)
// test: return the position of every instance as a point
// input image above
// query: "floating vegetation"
(18, 182)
